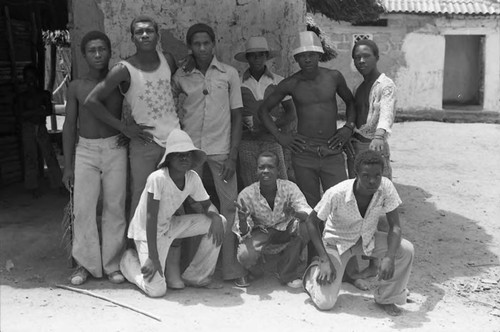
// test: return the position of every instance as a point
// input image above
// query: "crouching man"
(154, 225)
(271, 215)
(351, 210)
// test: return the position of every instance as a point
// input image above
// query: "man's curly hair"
(368, 157)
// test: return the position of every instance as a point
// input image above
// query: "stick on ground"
(86, 292)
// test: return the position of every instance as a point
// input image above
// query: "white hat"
(307, 41)
(255, 44)
(179, 141)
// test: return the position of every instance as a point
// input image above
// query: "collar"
(217, 64)
(379, 79)
(267, 72)
(349, 195)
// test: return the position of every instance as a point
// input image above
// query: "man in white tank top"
(144, 80)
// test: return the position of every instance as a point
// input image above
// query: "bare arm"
(69, 135)
(386, 270)
(216, 230)
(343, 134)
(95, 104)
(327, 271)
(229, 166)
(171, 62)
(264, 112)
(290, 114)
(152, 264)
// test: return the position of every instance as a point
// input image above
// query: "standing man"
(100, 162)
(211, 115)
(32, 107)
(258, 82)
(374, 99)
(350, 211)
(317, 157)
(144, 80)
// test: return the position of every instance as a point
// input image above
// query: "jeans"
(199, 270)
(359, 147)
(318, 165)
(227, 193)
(144, 160)
(386, 292)
(99, 162)
(36, 135)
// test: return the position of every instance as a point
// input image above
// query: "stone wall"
(233, 21)
(412, 49)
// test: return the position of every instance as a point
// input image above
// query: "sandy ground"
(447, 176)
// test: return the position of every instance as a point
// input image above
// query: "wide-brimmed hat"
(255, 44)
(179, 141)
(307, 41)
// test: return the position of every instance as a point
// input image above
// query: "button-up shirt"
(381, 110)
(261, 214)
(343, 222)
(253, 93)
(205, 113)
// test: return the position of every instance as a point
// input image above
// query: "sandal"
(79, 276)
(116, 277)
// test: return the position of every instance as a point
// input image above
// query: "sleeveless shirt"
(150, 98)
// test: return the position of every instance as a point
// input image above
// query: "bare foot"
(391, 309)
(361, 284)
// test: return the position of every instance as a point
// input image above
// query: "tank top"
(150, 98)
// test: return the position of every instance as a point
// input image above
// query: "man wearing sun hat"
(257, 82)
(155, 226)
(317, 157)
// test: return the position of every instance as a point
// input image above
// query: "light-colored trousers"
(144, 160)
(99, 162)
(386, 292)
(199, 270)
(227, 193)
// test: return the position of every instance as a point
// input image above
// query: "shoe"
(116, 277)
(297, 283)
(79, 276)
(242, 282)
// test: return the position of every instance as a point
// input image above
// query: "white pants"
(198, 272)
(99, 162)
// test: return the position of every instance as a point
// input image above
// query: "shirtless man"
(317, 147)
(99, 159)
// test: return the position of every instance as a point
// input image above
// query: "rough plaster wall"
(412, 54)
(233, 21)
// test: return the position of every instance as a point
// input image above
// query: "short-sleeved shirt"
(381, 112)
(261, 213)
(163, 188)
(206, 110)
(253, 93)
(343, 222)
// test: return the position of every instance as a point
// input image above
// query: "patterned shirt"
(206, 110)
(253, 93)
(344, 224)
(381, 111)
(150, 99)
(163, 188)
(261, 214)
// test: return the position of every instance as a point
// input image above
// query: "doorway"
(463, 78)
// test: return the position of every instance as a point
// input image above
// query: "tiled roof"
(471, 7)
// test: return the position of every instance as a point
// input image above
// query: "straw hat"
(179, 141)
(307, 41)
(255, 44)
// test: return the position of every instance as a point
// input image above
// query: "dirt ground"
(447, 176)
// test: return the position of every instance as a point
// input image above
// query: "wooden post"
(12, 51)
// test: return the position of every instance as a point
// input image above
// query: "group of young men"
(221, 122)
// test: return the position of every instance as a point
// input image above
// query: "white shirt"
(163, 188)
(343, 222)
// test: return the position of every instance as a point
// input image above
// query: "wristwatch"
(350, 125)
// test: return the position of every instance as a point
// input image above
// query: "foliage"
(354, 11)
(56, 37)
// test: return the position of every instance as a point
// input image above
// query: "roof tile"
(471, 7)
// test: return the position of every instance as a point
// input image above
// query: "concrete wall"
(412, 53)
(233, 21)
